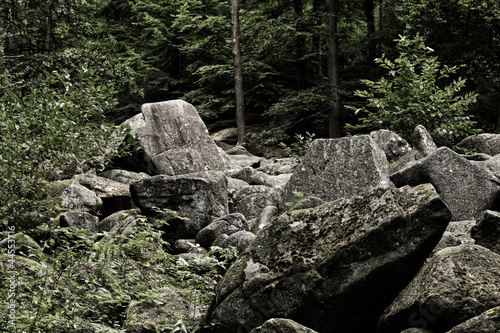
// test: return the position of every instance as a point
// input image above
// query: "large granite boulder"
(487, 322)
(466, 188)
(174, 141)
(457, 233)
(456, 284)
(282, 325)
(80, 220)
(487, 143)
(115, 196)
(198, 197)
(75, 197)
(487, 231)
(251, 200)
(329, 266)
(336, 168)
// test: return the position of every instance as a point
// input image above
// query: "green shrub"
(50, 126)
(416, 90)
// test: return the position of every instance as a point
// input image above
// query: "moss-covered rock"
(456, 284)
(328, 266)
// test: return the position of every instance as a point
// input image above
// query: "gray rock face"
(199, 197)
(75, 197)
(336, 168)
(457, 233)
(487, 231)
(456, 284)
(423, 141)
(228, 225)
(251, 200)
(80, 220)
(115, 196)
(486, 143)
(487, 322)
(329, 266)
(175, 141)
(147, 315)
(281, 325)
(124, 176)
(467, 189)
(239, 240)
(392, 144)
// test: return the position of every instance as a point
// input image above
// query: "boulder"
(80, 220)
(124, 176)
(228, 225)
(423, 141)
(336, 168)
(251, 200)
(199, 198)
(174, 141)
(115, 196)
(245, 161)
(487, 231)
(184, 245)
(456, 284)
(486, 143)
(467, 189)
(111, 221)
(329, 266)
(255, 177)
(392, 144)
(240, 240)
(163, 311)
(74, 196)
(279, 166)
(23, 243)
(281, 325)
(457, 233)
(487, 322)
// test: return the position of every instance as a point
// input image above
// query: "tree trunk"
(334, 123)
(318, 7)
(238, 72)
(300, 43)
(48, 33)
(370, 24)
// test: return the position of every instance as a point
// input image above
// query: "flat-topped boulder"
(174, 141)
(337, 168)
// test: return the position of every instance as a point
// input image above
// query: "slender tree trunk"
(300, 44)
(10, 20)
(335, 126)
(370, 24)
(238, 72)
(318, 7)
(48, 33)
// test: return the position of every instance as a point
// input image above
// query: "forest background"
(70, 69)
(155, 50)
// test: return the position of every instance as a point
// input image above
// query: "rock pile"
(361, 251)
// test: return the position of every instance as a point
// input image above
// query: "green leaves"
(52, 125)
(416, 90)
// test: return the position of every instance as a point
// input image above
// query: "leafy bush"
(417, 90)
(51, 126)
(298, 149)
